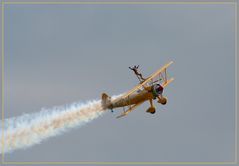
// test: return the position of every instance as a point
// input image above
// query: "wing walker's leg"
(138, 78)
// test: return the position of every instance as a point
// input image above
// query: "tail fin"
(105, 101)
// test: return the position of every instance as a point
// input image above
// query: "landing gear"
(162, 100)
(151, 109)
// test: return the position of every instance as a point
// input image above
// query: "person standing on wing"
(139, 75)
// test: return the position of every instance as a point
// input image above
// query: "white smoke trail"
(29, 129)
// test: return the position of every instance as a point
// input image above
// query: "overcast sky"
(59, 54)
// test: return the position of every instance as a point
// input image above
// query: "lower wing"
(129, 110)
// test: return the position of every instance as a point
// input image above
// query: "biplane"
(148, 89)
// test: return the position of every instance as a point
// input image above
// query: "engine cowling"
(157, 90)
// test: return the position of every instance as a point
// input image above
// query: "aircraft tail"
(106, 101)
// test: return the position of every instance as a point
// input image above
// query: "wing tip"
(120, 116)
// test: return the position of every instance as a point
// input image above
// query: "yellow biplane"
(149, 89)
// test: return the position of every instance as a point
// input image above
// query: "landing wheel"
(151, 110)
(162, 100)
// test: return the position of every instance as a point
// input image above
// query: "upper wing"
(129, 110)
(162, 76)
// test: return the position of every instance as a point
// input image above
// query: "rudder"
(105, 100)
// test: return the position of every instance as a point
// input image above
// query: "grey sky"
(59, 54)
